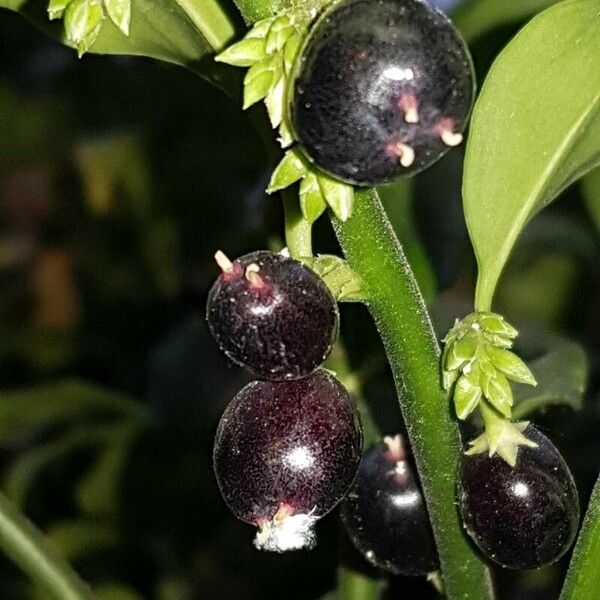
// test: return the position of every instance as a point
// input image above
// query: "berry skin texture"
(285, 454)
(522, 517)
(271, 314)
(385, 515)
(383, 89)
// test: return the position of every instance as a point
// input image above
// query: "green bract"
(478, 362)
(83, 19)
(270, 49)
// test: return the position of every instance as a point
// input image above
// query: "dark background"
(119, 178)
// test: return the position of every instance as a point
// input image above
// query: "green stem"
(583, 577)
(298, 231)
(396, 304)
(25, 545)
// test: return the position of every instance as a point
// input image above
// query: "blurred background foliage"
(119, 178)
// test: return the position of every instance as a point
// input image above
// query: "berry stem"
(397, 306)
(25, 545)
(583, 576)
(298, 231)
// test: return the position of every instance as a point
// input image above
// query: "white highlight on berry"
(287, 532)
(223, 261)
(299, 458)
(521, 489)
(399, 74)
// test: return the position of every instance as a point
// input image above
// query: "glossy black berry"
(385, 515)
(285, 454)
(272, 315)
(383, 88)
(522, 517)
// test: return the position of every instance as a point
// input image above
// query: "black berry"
(385, 513)
(285, 454)
(272, 315)
(383, 88)
(522, 517)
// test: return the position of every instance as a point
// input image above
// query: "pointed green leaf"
(498, 392)
(562, 376)
(312, 202)
(279, 33)
(339, 195)
(119, 12)
(461, 351)
(261, 28)
(56, 8)
(245, 53)
(466, 397)
(290, 51)
(531, 136)
(511, 365)
(497, 325)
(291, 168)
(258, 88)
(82, 23)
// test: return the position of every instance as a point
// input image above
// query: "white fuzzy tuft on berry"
(290, 532)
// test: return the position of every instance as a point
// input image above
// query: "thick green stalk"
(395, 302)
(583, 577)
(25, 545)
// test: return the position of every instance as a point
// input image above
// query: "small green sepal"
(511, 365)
(83, 19)
(501, 436)
(244, 53)
(312, 202)
(291, 169)
(119, 12)
(338, 195)
(344, 283)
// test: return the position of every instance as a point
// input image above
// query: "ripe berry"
(285, 454)
(385, 513)
(382, 89)
(522, 517)
(272, 315)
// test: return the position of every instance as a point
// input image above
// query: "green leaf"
(590, 185)
(477, 17)
(98, 492)
(498, 392)
(83, 19)
(245, 53)
(184, 32)
(115, 592)
(119, 12)
(339, 195)
(583, 577)
(291, 168)
(511, 365)
(535, 129)
(344, 283)
(562, 376)
(466, 397)
(312, 202)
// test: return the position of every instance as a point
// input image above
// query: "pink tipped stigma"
(395, 447)
(445, 129)
(408, 103)
(254, 279)
(224, 263)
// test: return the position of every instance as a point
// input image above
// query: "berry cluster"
(288, 446)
